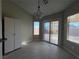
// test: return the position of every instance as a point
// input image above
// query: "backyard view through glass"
(53, 28)
(54, 32)
(46, 31)
(36, 28)
(73, 28)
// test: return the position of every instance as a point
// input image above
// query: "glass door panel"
(54, 32)
(46, 31)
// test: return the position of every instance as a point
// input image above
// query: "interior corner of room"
(59, 25)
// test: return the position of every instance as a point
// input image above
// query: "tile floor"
(39, 50)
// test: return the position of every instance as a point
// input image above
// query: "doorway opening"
(54, 32)
(46, 31)
(51, 31)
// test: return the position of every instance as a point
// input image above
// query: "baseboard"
(12, 51)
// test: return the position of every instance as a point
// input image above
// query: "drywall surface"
(70, 46)
(0, 30)
(12, 10)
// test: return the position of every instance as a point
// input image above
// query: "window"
(36, 28)
(73, 28)
(46, 31)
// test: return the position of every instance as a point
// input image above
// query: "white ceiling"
(52, 7)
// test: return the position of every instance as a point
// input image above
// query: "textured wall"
(12, 10)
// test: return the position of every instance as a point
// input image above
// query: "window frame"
(68, 21)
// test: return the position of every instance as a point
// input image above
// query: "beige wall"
(14, 11)
(0, 31)
(0, 20)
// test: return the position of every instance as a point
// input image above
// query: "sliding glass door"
(46, 31)
(54, 32)
(51, 31)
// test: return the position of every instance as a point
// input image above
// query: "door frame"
(50, 32)
(58, 33)
(3, 36)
